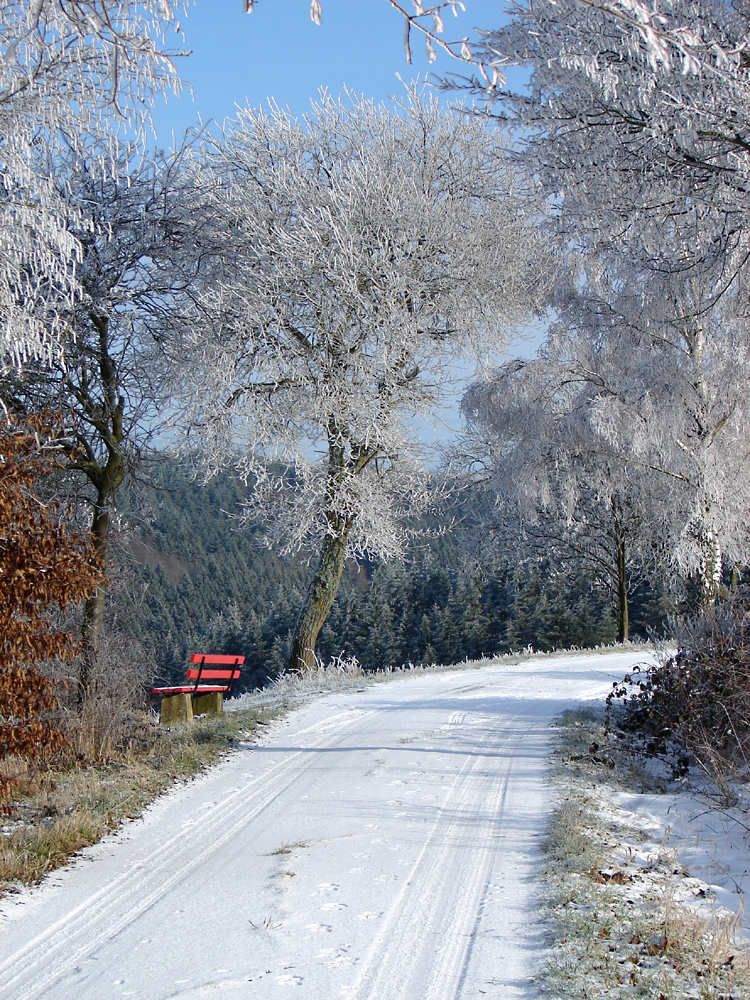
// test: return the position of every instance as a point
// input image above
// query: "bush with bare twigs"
(694, 706)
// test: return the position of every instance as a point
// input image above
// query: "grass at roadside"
(620, 916)
(68, 807)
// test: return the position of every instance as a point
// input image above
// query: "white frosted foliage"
(68, 71)
(629, 411)
(364, 247)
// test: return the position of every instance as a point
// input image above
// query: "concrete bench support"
(211, 703)
(175, 709)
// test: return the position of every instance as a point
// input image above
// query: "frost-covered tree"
(631, 425)
(126, 217)
(636, 119)
(68, 69)
(365, 247)
(669, 366)
(561, 493)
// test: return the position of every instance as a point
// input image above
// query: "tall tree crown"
(364, 247)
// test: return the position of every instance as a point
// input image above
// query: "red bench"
(208, 678)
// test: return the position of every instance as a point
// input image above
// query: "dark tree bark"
(623, 623)
(342, 460)
(320, 598)
(106, 472)
(621, 574)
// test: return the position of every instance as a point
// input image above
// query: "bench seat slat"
(190, 689)
(214, 675)
(217, 658)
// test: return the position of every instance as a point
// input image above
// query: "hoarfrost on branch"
(364, 248)
(68, 71)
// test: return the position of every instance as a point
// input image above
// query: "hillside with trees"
(194, 577)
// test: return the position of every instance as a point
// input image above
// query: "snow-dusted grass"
(627, 917)
(343, 673)
(59, 811)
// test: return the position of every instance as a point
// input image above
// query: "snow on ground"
(709, 847)
(375, 844)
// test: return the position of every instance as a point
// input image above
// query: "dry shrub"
(43, 564)
(111, 715)
(714, 945)
(114, 715)
(694, 707)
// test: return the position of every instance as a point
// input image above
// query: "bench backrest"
(214, 667)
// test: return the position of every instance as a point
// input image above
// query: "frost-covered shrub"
(695, 704)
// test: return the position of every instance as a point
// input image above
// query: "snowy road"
(379, 844)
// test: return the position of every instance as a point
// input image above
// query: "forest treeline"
(201, 581)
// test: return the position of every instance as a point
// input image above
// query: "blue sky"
(278, 52)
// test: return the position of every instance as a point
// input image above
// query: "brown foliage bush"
(695, 706)
(43, 565)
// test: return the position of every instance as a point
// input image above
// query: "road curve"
(376, 845)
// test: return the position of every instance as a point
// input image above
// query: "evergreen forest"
(203, 582)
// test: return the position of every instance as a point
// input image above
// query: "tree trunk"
(93, 608)
(710, 572)
(320, 598)
(623, 623)
(106, 476)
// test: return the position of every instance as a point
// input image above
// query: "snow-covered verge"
(644, 883)
(344, 673)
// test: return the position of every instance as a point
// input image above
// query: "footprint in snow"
(319, 928)
(341, 960)
(326, 887)
(369, 915)
(338, 957)
(289, 980)
(328, 907)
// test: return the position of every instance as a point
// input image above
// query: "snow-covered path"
(377, 844)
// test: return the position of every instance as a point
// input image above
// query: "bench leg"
(211, 703)
(176, 708)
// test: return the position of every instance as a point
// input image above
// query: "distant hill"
(196, 580)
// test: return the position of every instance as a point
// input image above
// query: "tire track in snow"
(31, 970)
(424, 945)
